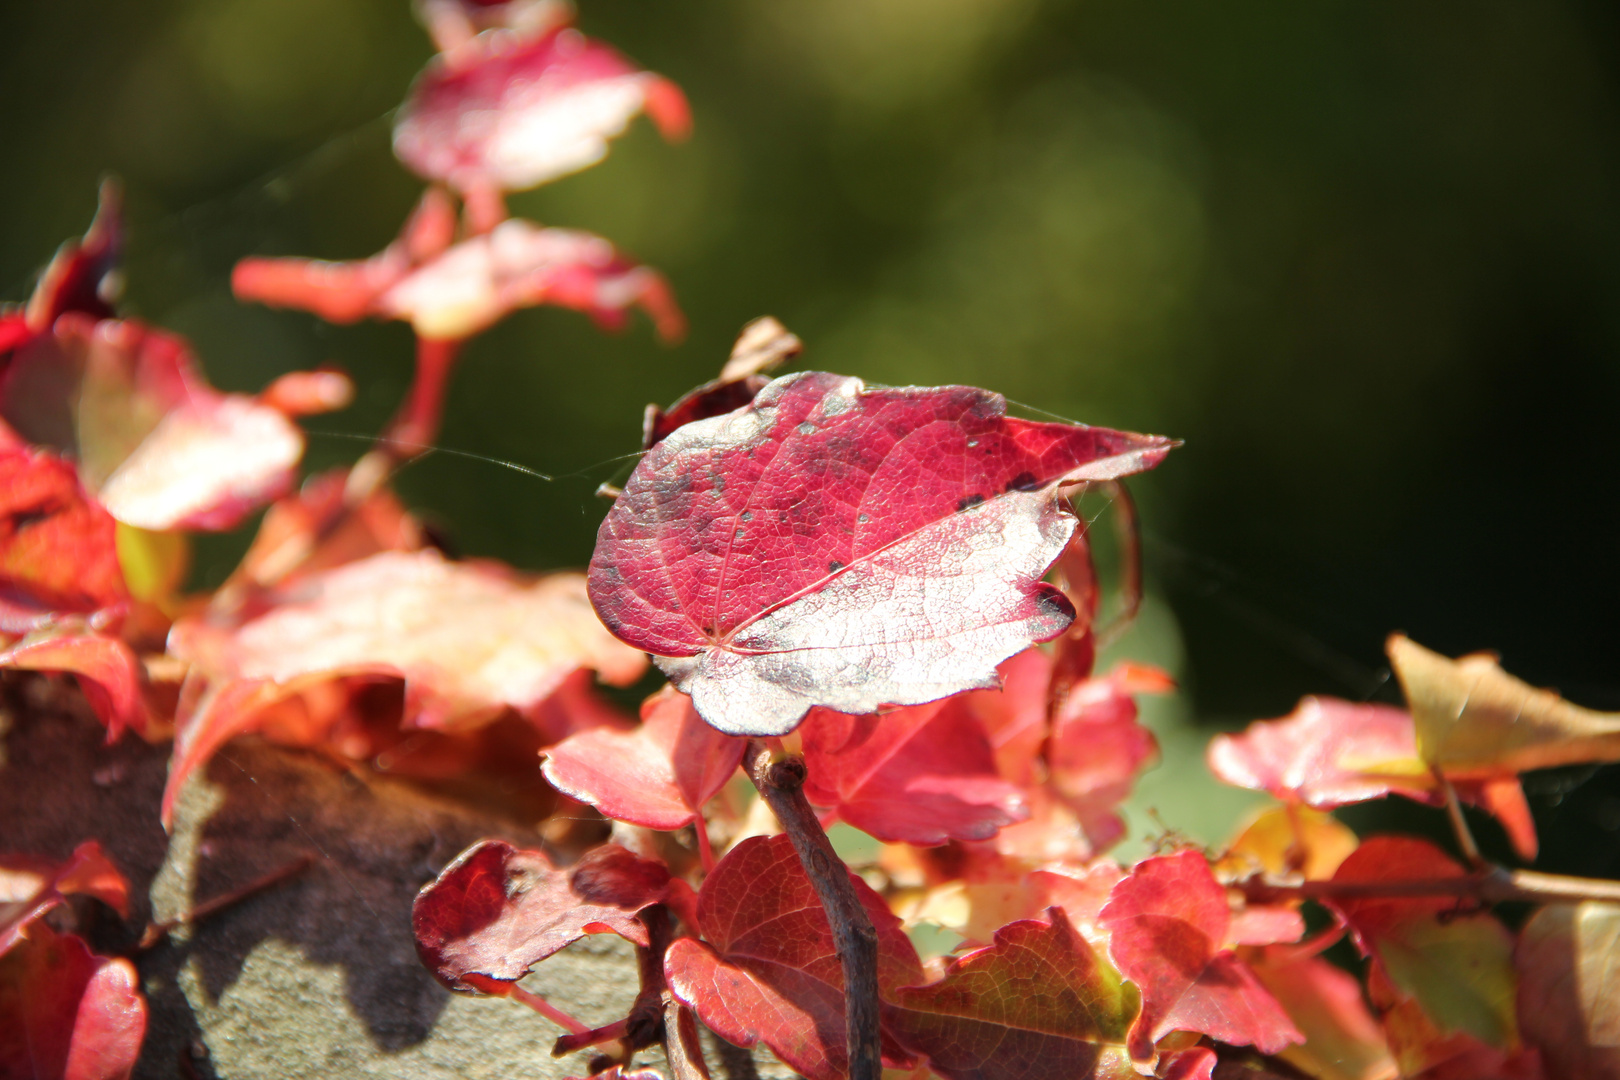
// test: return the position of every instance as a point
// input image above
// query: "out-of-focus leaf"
(65, 1013)
(497, 910)
(154, 563)
(658, 775)
(1290, 841)
(1423, 1051)
(453, 291)
(58, 547)
(767, 970)
(1329, 753)
(510, 110)
(1473, 718)
(1568, 960)
(160, 447)
(1036, 1003)
(81, 277)
(1168, 922)
(1458, 966)
(1015, 716)
(469, 640)
(478, 282)
(1097, 749)
(851, 547)
(30, 886)
(106, 669)
(317, 528)
(1342, 1039)
(922, 775)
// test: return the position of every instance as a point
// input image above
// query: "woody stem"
(780, 781)
(1492, 885)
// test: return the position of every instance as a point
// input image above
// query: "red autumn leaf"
(1037, 1004)
(1097, 749)
(160, 448)
(852, 547)
(29, 887)
(58, 547)
(922, 775)
(658, 775)
(67, 1014)
(766, 969)
(1457, 966)
(509, 109)
(469, 639)
(497, 910)
(450, 292)
(1329, 753)
(1168, 922)
(106, 670)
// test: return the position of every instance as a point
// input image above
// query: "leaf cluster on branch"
(874, 605)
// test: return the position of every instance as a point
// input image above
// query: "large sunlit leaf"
(497, 910)
(509, 109)
(1038, 1003)
(766, 969)
(1474, 718)
(659, 775)
(852, 547)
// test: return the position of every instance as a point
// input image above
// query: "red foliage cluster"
(877, 604)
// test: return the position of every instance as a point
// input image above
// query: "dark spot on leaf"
(969, 501)
(746, 515)
(1024, 481)
(835, 566)
(863, 518)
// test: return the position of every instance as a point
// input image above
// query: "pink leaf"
(766, 969)
(658, 775)
(1098, 749)
(510, 110)
(1015, 716)
(1168, 923)
(67, 1014)
(448, 292)
(922, 775)
(497, 910)
(160, 447)
(848, 547)
(1329, 753)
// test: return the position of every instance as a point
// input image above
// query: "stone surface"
(316, 976)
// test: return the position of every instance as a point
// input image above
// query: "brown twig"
(682, 1049)
(156, 932)
(780, 783)
(1492, 885)
(1459, 824)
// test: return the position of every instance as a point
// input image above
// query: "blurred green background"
(1363, 257)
